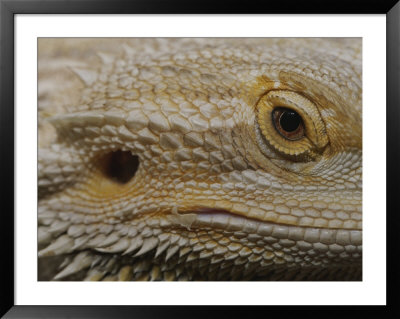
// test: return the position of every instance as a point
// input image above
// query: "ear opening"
(119, 166)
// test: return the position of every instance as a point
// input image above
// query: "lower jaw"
(253, 250)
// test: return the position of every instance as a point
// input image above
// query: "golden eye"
(290, 124)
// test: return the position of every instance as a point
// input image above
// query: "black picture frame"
(8, 10)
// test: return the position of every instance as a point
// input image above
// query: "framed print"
(174, 157)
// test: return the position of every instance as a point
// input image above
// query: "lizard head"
(220, 162)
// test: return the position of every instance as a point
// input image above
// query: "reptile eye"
(288, 123)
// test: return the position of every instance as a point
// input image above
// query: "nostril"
(120, 166)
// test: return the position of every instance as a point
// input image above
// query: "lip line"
(221, 211)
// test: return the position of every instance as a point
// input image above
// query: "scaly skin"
(219, 193)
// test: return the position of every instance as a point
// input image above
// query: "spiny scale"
(87, 76)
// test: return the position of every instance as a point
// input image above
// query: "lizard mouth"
(225, 220)
(278, 216)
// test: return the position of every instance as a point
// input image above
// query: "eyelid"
(314, 126)
(305, 148)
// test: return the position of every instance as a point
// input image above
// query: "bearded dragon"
(200, 159)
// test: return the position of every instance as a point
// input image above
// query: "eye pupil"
(289, 121)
